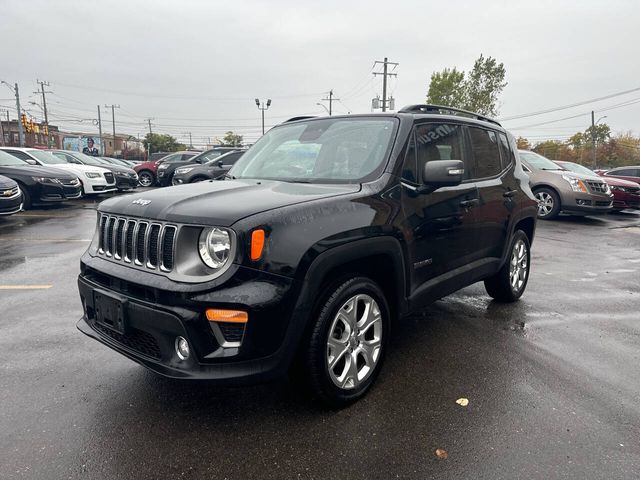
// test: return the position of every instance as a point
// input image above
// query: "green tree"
(523, 143)
(602, 132)
(447, 88)
(477, 90)
(155, 142)
(484, 85)
(231, 139)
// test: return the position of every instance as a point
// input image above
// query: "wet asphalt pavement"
(553, 381)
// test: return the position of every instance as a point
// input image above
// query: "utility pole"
(44, 107)
(593, 137)
(330, 99)
(102, 150)
(1, 129)
(263, 107)
(190, 139)
(385, 73)
(149, 141)
(113, 120)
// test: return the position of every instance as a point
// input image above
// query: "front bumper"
(126, 183)
(155, 317)
(164, 178)
(624, 200)
(586, 203)
(98, 185)
(9, 206)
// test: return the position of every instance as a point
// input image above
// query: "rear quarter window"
(486, 152)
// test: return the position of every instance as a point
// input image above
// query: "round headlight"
(215, 247)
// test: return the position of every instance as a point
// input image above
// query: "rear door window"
(486, 152)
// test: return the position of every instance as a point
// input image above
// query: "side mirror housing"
(31, 161)
(441, 173)
(220, 163)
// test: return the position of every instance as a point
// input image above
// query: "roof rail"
(303, 117)
(443, 110)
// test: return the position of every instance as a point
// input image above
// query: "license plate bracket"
(110, 311)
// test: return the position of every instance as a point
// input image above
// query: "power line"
(564, 107)
(385, 73)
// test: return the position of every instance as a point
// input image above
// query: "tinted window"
(19, 154)
(231, 158)
(486, 152)
(506, 153)
(437, 141)
(625, 172)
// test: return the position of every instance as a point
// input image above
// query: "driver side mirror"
(441, 173)
(220, 163)
(31, 161)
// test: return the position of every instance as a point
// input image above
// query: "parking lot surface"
(553, 381)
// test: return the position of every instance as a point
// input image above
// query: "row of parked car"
(33, 177)
(567, 187)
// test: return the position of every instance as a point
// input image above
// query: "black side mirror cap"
(220, 163)
(441, 173)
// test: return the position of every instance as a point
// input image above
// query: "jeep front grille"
(145, 244)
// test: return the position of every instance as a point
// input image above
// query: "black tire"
(550, 206)
(26, 198)
(198, 179)
(501, 285)
(315, 354)
(146, 178)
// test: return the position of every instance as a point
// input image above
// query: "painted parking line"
(25, 287)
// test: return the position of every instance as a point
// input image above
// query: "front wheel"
(146, 178)
(548, 203)
(347, 343)
(26, 198)
(509, 283)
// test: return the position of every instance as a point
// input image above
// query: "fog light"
(182, 348)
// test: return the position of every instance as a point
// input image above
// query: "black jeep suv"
(323, 233)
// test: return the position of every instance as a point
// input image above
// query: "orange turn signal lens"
(257, 244)
(227, 316)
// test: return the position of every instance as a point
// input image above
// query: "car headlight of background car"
(163, 167)
(215, 246)
(46, 180)
(183, 170)
(576, 184)
(93, 174)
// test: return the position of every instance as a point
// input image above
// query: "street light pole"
(263, 107)
(593, 136)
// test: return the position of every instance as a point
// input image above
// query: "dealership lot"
(552, 381)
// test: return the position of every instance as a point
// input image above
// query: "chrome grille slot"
(168, 237)
(597, 187)
(154, 236)
(110, 223)
(139, 243)
(128, 245)
(119, 238)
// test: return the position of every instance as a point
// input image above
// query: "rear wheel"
(509, 283)
(548, 203)
(347, 343)
(146, 178)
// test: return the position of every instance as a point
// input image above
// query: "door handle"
(509, 193)
(469, 203)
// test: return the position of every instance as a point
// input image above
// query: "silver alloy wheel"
(354, 342)
(519, 266)
(545, 203)
(145, 179)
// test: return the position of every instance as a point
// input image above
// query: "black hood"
(6, 182)
(117, 168)
(219, 203)
(35, 171)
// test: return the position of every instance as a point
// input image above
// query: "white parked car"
(93, 179)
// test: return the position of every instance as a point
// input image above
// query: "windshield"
(574, 167)
(47, 157)
(342, 150)
(538, 162)
(6, 159)
(87, 160)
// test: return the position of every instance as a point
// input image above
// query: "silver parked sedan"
(558, 190)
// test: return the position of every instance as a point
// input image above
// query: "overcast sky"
(198, 65)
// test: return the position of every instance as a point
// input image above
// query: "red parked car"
(148, 171)
(626, 194)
